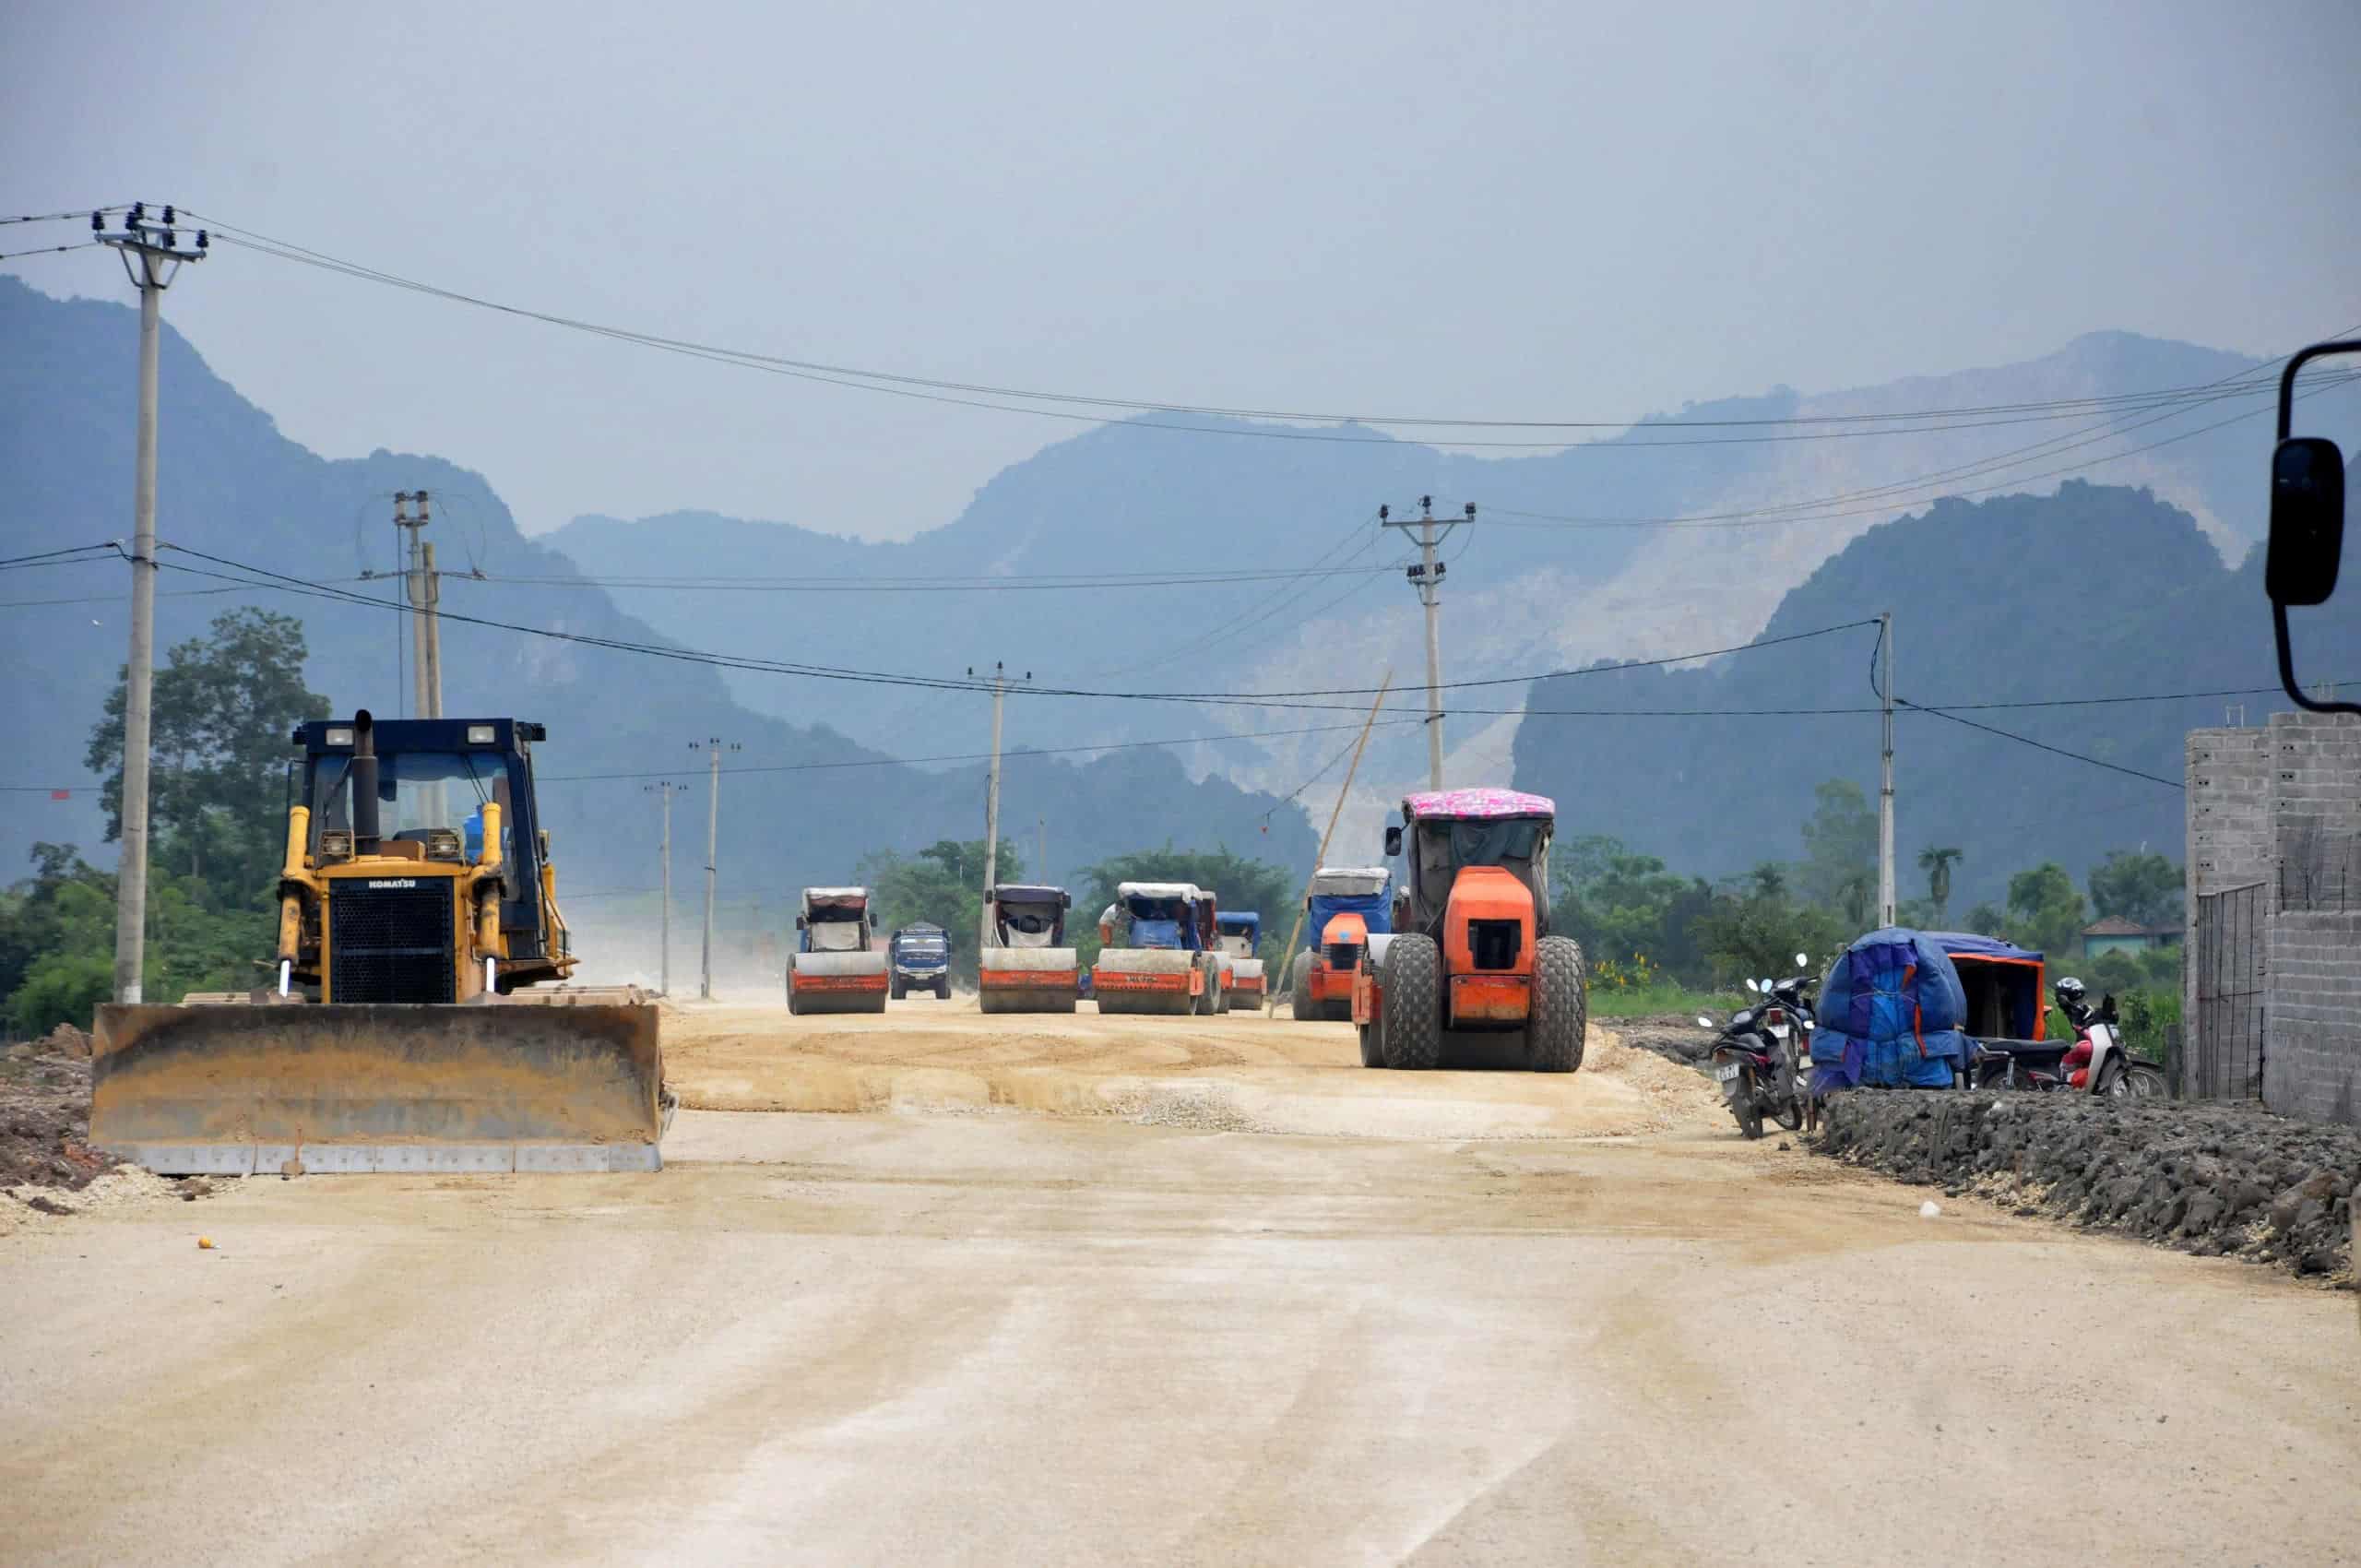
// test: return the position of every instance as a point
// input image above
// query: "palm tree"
(1937, 864)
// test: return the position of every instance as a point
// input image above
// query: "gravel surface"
(2213, 1180)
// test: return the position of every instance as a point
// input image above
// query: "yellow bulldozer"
(401, 1028)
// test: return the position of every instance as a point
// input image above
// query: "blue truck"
(920, 960)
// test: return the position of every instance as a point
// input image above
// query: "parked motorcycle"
(1758, 1057)
(2093, 1062)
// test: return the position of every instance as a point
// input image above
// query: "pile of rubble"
(45, 1113)
(2213, 1180)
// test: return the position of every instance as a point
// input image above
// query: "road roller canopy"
(1164, 914)
(1241, 932)
(1029, 914)
(1450, 830)
(1351, 881)
(835, 919)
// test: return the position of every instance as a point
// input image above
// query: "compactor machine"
(1472, 965)
(410, 1021)
(1027, 965)
(837, 967)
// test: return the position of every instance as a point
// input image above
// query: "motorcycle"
(2106, 1067)
(1758, 1057)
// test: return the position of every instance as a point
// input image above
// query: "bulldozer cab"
(434, 778)
(1447, 832)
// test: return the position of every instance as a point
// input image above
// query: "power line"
(2045, 746)
(47, 250)
(977, 395)
(48, 557)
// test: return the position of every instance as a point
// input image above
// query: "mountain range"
(1224, 589)
(802, 802)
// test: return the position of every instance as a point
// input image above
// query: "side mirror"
(545, 843)
(1703, 1022)
(2306, 520)
(1393, 837)
(1802, 962)
(1065, 900)
(1764, 986)
(799, 923)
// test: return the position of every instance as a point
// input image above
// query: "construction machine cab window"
(1518, 845)
(421, 795)
(835, 928)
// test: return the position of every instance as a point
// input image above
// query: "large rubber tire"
(1299, 1001)
(1561, 1006)
(895, 990)
(1373, 1042)
(1220, 993)
(943, 987)
(1412, 1003)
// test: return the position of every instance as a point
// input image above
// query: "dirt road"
(992, 1337)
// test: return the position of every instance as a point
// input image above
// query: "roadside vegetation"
(224, 706)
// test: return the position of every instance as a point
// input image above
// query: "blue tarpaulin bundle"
(1890, 1012)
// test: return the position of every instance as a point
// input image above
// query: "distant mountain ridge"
(803, 800)
(1523, 591)
(2098, 591)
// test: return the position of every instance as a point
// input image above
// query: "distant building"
(2115, 935)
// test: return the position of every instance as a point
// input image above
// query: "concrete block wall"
(2229, 840)
(2312, 1018)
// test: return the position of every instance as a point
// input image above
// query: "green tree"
(1758, 937)
(2046, 910)
(1937, 864)
(942, 883)
(1620, 906)
(1840, 844)
(2143, 888)
(223, 706)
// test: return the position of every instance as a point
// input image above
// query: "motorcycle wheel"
(2117, 1085)
(1790, 1116)
(1743, 1106)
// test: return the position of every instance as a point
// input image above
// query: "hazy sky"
(1555, 211)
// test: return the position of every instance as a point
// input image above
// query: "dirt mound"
(2213, 1180)
(45, 1113)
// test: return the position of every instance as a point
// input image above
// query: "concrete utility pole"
(713, 746)
(151, 255)
(991, 806)
(1888, 911)
(425, 586)
(664, 792)
(1427, 577)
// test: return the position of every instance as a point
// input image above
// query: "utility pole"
(1887, 910)
(1427, 577)
(152, 256)
(991, 806)
(664, 792)
(1041, 864)
(713, 747)
(425, 586)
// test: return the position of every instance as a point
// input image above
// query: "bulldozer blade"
(252, 1089)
